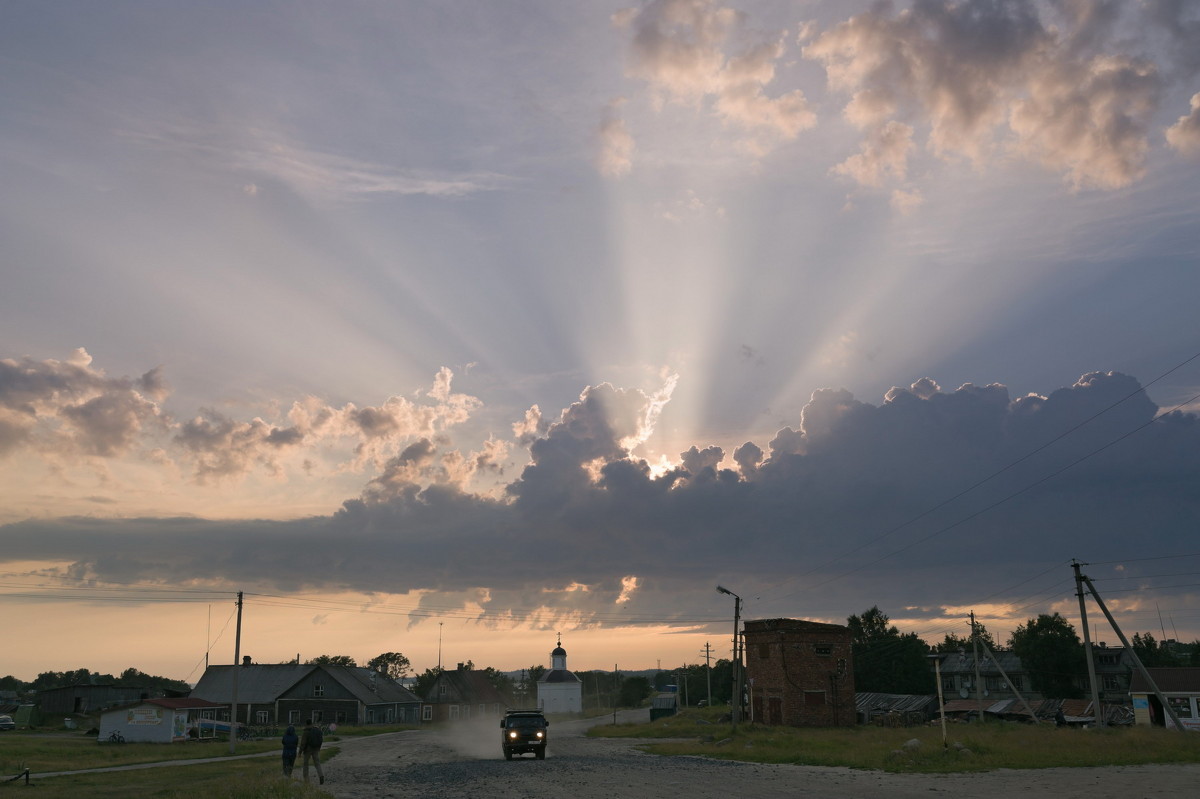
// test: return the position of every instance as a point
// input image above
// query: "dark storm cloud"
(584, 511)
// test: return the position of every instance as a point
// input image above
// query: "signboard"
(144, 715)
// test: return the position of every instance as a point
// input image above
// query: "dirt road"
(466, 763)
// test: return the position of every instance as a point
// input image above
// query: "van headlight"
(512, 734)
(541, 734)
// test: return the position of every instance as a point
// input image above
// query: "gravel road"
(466, 763)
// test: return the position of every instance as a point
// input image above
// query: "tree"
(886, 660)
(634, 690)
(1052, 654)
(332, 660)
(1150, 652)
(953, 643)
(392, 664)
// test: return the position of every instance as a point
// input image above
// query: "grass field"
(256, 778)
(975, 747)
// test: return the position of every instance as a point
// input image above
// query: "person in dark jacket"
(290, 742)
(310, 749)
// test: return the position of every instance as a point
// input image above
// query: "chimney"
(462, 666)
(246, 660)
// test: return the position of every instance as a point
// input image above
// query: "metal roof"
(257, 683)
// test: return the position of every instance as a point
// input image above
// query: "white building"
(157, 720)
(559, 690)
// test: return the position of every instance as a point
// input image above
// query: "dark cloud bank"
(829, 499)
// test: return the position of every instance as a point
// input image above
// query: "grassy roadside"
(256, 778)
(971, 747)
(236, 779)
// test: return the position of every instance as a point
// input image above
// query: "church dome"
(558, 652)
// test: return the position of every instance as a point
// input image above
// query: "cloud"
(317, 174)
(884, 152)
(585, 510)
(615, 158)
(66, 410)
(683, 49)
(1184, 135)
(69, 408)
(1060, 84)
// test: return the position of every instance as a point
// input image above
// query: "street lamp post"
(736, 711)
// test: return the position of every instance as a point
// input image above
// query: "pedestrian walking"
(310, 749)
(290, 743)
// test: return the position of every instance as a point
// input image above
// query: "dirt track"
(466, 763)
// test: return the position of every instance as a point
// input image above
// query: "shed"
(1180, 686)
(155, 720)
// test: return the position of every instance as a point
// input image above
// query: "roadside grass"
(975, 747)
(237, 779)
(20, 751)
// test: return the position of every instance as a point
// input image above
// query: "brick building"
(800, 673)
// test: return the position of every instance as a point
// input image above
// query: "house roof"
(371, 687)
(263, 683)
(1177, 679)
(559, 675)
(170, 703)
(868, 701)
(793, 625)
(258, 683)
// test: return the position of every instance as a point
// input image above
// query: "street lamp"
(736, 712)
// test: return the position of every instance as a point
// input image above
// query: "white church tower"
(559, 690)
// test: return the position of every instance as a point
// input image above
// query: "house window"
(482, 710)
(263, 717)
(995, 683)
(316, 717)
(318, 690)
(814, 698)
(442, 689)
(1106, 660)
(454, 712)
(293, 717)
(823, 650)
(208, 714)
(947, 682)
(427, 713)
(764, 651)
(340, 717)
(1112, 682)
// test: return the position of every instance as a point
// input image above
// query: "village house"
(88, 698)
(462, 694)
(799, 673)
(291, 693)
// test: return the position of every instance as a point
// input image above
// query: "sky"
(446, 328)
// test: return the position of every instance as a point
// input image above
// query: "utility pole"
(237, 664)
(1170, 711)
(1097, 711)
(978, 684)
(439, 646)
(708, 670)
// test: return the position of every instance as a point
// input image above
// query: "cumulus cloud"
(64, 410)
(1063, 84)
(684, 50)
(69, 407)
(586, 511)
(1184, 135)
